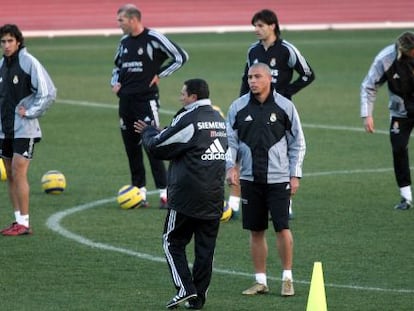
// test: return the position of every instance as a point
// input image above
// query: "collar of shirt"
(201, 102)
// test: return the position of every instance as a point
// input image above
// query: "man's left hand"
(140, 126)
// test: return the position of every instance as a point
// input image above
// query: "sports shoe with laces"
(257, 288)
(287, 288)
(17, 229)
(176, 300)
(403, 205)
(8, 227)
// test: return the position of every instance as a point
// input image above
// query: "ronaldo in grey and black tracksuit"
(195, 144)
(265, 136)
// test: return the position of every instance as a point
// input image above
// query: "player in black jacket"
(143, 57)
(283, 58)
(195, 143)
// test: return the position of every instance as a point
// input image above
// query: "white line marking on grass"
(171, 113)
(219, 29)
(341, 128)
(103, 105)
(53, 223)
(54, 220)
(347, 172)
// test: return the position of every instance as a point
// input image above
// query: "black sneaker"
(194, 304)
(403, 205)
(173, 303)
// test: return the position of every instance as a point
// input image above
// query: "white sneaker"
(287, 288)
(257, 288)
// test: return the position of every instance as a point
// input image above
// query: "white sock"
(234, 202)
(287, 274)
(163, 193)
(17, 216)
(261, 278)
(406, 193)
(24, 220)
(143, 191)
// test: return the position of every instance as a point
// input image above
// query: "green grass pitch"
(88, 254)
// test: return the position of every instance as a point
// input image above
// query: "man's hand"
(294, 185)
(21, 111)
(232, 176)
(140, 126)
(116, 87)
(154, 80)
(369, 124)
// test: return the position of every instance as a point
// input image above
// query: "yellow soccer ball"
(53, 182)
(227, 213)
(129, 197)
(3, 173)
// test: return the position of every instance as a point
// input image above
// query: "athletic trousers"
(133, 148)
(178, 231)
(400, 131)
(132, 108)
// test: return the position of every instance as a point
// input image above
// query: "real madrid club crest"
(15, 79)
(272, 62)
(140, 51)
(273, 117)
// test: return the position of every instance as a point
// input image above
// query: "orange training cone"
(317, 297)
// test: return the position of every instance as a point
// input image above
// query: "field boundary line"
(171, 113)
(220, 29)
(54, 223)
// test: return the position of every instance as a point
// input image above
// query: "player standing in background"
(26, 91)
(283, 58)
(394, 65)
(142, 58)
(265, 133)
(196, 144)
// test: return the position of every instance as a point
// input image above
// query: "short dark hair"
(197, 87)
(14, 31)
(130, 10)
(268, 17)
(405, 41)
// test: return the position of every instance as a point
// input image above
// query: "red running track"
(33, 15)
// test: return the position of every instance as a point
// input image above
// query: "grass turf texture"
(343, 210)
